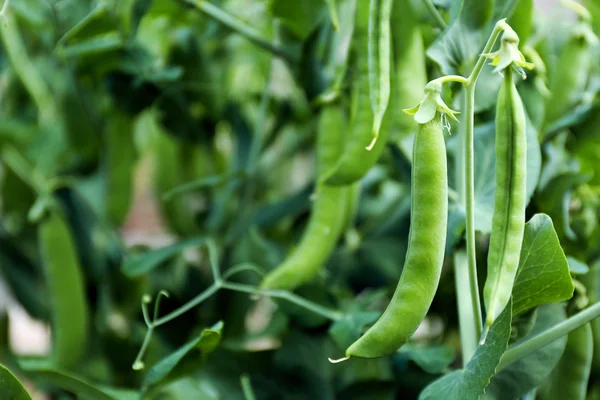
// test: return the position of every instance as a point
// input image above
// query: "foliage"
(215, 106)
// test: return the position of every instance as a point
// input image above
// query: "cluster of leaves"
(225, 111)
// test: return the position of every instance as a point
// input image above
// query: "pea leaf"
(301, 17)
(543, 275)
(83, 389)
(10, 387)
(433, 360)
(470, 382)
(346, 330)
(206, 342)
(142, 263)
(530, 371)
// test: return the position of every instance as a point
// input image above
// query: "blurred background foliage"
(153, 122)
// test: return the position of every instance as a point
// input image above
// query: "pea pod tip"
(339, 360)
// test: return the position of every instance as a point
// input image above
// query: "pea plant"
(277, 199)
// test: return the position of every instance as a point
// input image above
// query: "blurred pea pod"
(356, 160)
(591, 280)
(69, 307)
(175, 163)
(568, 77)
(120, 159)
(569, 380)
(409, 69)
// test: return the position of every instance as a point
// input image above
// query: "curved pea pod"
(356, 160)
(69, 306)
(569, 379)
(508, 221)
(328, 213)
(410, 74)
(424, 258)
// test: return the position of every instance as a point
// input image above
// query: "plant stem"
(542, 339)
(451, 78)
(469, 333)
(285, 295)
(435, 14)
(247, 387)
(212, 289)
(241, 27)
(468, 187)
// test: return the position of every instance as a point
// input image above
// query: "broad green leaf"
(348, 329)
(141, 263)
(206, 342)
(458, 47)
(470, 382)
(530, 371)
(433, 360)
(543, 275)
(10, 387)
(82, 388)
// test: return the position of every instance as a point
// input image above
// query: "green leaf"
(530, 371)
(577, 267)
(348, 329)
(206, 342)
(142, 263)
(10, 387)
(433, 360)
(470, 382)
(543, 275)
(83, 389)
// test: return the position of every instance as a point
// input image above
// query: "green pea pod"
(328, 214)
(591, 280)
(569, 379)
(120, 154)
(568, 78)
(508, 222)
(426, 244)
(170, 172)
(380, 12)
(66, 285)
(409, 69)
(356, 160)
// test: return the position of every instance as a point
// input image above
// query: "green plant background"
(157, 122)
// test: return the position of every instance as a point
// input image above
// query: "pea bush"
(364, 199)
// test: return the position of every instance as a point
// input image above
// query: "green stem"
(469, 197)
(469, 331)
(451, 78)
(247, 387)
(239, 26)
(138, 364)
(285, 295)
(542, 339)
(467, 185)
(435, 14)
(212, 289)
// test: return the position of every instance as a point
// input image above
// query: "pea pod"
(591, 280)
(508, 222)
(410, 74)
(569, 379)
(356, 160)
(426, 244)
(569, 76)
(66, 285)
(380, 12)
(328, 215)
